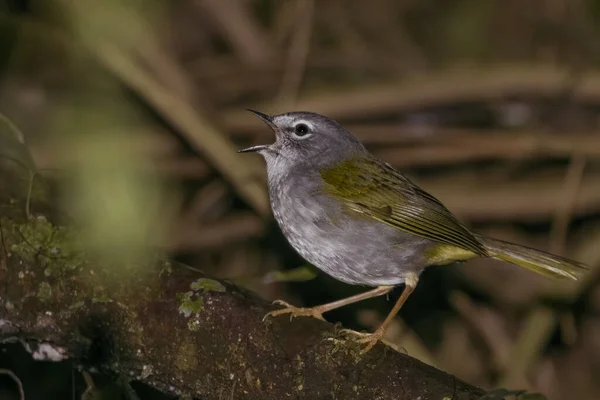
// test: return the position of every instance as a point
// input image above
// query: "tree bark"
(171, 328)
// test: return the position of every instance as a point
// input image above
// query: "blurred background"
(134, 111)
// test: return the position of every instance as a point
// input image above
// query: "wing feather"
(376, 189)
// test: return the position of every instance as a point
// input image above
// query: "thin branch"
(284, 22)
(566, 203)
(488, 326)
(432, 90)
(247, 38)
(528, 346)
(181, 167)
(452, 147)
(234, 228)
(529, 199)
(198, 130)
(212, 195)
(298, 52)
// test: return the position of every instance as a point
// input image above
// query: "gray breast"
(355, 250)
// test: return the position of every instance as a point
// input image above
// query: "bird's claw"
(282, 303)
(370, 339)
(351, 332)
(294, 311)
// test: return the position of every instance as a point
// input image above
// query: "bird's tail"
(535, 260)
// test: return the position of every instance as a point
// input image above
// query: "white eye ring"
(302, 130)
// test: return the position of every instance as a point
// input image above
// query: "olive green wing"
(376, 189)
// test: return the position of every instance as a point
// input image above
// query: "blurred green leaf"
(500, 394)
(130, 24)
(531, 396)
(207, 285)
(122, 207)
(300, 274)
(12, 144)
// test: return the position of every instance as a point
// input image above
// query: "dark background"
(134, 110)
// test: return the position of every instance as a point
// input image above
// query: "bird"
(363, 222)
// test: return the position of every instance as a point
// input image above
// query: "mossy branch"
(180, 332)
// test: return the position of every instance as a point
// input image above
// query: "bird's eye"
(301, 130)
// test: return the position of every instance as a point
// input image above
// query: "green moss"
(208, 285)
(189, 305)
(185, 359)
(77, 305)
(101, 299)
(192, 302)
(193, 325)
(44, 291)
(99, 294)
(54, 249)
(342, 343)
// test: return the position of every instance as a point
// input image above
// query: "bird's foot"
(370, 339)
(295, 311)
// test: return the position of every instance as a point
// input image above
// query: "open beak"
(267, 120)
(254, 148)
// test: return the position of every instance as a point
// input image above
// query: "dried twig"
(448, 148)
(298, 52)
(528, 346)
(284, 21)
(389, 36)
(199, 132)
(530, 199)
(488, 326)
(436, 90)
(564, 210)
(191, 235)
(182, 167)
(206, 199)
(238, 26)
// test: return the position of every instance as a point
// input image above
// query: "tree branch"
(169, 327)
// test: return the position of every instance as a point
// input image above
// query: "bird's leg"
(371, 339)
(319, 310)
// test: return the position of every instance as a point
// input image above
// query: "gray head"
(306, 138)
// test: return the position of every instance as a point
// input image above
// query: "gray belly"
(352, 249)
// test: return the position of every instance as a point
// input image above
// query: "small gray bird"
(363, 222)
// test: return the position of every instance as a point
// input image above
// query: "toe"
(367, 339)
(369, 346)
(370, 341)
(275, 313)
(267, 315)
(295, 311)
(282, 303)
(351, 332)
(318, 316)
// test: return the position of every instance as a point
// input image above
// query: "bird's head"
(306, 138)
